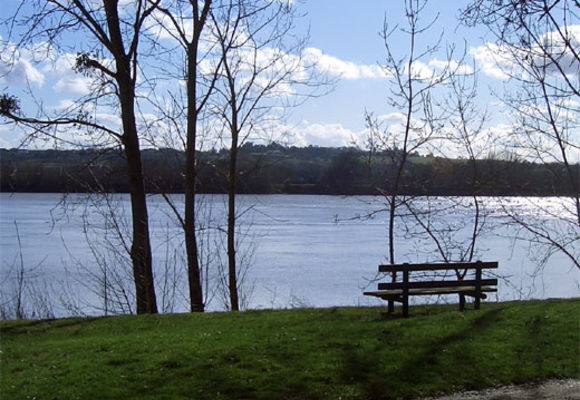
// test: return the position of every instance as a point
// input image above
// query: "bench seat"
(466, 290)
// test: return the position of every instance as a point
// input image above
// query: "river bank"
(348, 353)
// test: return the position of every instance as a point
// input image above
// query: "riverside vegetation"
(348, 353)
(279, 169)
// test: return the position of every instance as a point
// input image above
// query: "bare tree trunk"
(407, 90)
(392, 213)
(141, 246)
(181, 14)
(232, 271)
(193, 270)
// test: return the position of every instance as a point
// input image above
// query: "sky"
(349, 31)
(343, 37)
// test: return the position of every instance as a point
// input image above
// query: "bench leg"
(406, 293)
(461, 302)
(391, 306)
(478, 286)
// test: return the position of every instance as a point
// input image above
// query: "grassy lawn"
(348, 353)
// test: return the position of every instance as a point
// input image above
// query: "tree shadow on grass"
(44, 325)
(543, 362)
(420, 370)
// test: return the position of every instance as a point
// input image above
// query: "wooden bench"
(434, 280)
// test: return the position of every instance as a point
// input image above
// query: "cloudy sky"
(347, 47)
(347, 34)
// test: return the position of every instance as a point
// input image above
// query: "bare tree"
(537, 49)
(116, 35)
(261, 66)
(411, 95)
(185, 21)
(454, 225)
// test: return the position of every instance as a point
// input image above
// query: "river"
(317, 251)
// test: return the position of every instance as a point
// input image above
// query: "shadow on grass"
(25, 327)
(421, 369)
(542, 361)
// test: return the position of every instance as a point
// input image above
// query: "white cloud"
(19, 66)
(20, 71)
(65, 104)
(111, 121)
(490, 60)
(343, 69)
(451, 65)
(420, 70)
(335, 135)
(62, 64)
(505, 140)
(73, 84)
(436, 69)
(501, 62)
(163, 27)
(552, 41)
(393, 118)
(68, 80)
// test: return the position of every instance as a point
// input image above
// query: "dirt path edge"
(563, 389)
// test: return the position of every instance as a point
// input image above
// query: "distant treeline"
(278, 169)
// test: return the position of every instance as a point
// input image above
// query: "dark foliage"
(9, 105)
(277, 169)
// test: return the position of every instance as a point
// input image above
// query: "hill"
(278, 169)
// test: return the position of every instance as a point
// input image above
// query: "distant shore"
(276, 169)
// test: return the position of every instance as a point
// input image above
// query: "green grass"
(348, 353)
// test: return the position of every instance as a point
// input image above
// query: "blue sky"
(344, 35)
(349, 31)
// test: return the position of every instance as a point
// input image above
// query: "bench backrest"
(477, 266)
(437, 266)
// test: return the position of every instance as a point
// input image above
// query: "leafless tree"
(454, 225)
(261, 66)
(411, 95)
(537, 46)
(185, 21)
(111, 56)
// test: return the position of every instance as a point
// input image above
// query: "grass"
(348, 353)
